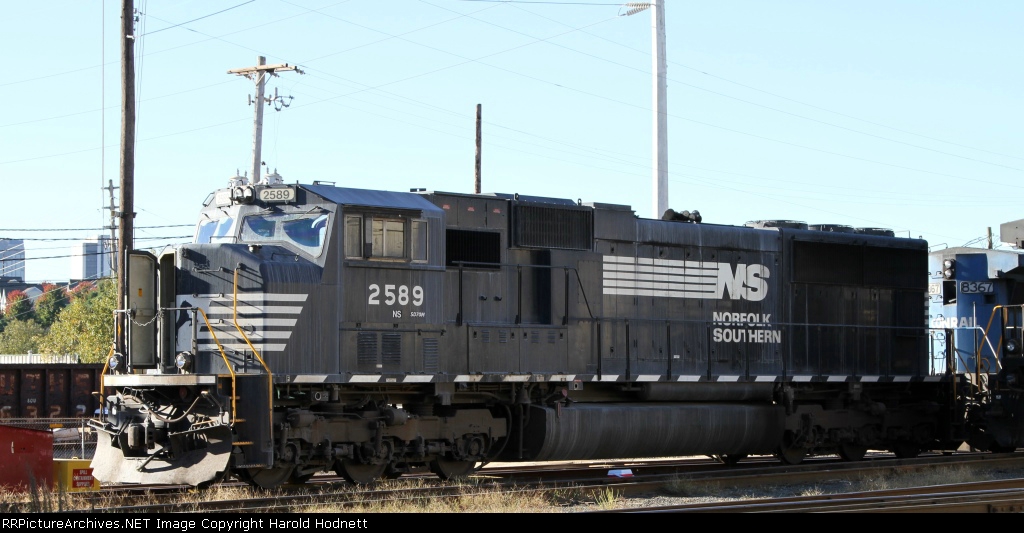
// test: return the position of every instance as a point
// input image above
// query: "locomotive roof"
(506, 196)
(372, 198)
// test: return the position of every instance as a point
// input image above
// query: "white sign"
(277, 194)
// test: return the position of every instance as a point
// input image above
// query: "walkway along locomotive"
(315, 328)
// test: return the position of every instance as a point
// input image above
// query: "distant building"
(8, 285)
(12, 259)
(90, 259)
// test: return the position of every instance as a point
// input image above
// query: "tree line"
(79, 321)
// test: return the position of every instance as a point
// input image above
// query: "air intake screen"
(552, 227)
(854, 264)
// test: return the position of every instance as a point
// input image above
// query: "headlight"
(183, 361)
(1012, 346)
(948, 268)
(114, 362)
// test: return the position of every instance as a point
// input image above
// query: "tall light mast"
(660, 105)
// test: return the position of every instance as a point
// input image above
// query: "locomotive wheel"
(268, 478)
(359, 473)
(996, 448)
(447, 469)
(731, 458)
(906, 450)
(852, 452)
(791, 455)
(299, 479)
(391, 472)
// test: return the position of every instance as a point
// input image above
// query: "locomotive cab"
(227, 353)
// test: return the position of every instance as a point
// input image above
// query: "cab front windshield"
(305, 231)
(216, 228)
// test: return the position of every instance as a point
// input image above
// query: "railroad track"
(1000, 496)
(647, 478)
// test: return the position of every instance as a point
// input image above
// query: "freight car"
(48, 390)
(315, 328)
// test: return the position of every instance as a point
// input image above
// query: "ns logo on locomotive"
(371, 333)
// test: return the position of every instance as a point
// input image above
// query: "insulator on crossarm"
(632, 8)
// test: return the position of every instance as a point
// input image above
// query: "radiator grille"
(391, 349)
(553, 227)
(430, 355)
(366, 348)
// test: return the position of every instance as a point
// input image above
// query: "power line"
(723, 95)
(65, 256)
(79, 238)
(540, 2)
(95, 229)
(200, 18)
(56, 288)
(563, 86)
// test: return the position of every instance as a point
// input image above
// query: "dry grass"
(473, 497)
(680, 486)
(937, 476)
(469, 498)
(607, 498)
(710, 491)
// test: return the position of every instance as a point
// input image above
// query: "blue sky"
(898, 114)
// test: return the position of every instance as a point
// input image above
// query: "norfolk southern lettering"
(744, 327)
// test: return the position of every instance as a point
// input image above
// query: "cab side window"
(353, 236)
(418, 241)
(387, 238)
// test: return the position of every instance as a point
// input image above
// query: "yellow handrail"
(103, 376)
(999, 343)
(270, 377)
(234, 391)
(106, 366)
(220, 348)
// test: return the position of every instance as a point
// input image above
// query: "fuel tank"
(616, 431)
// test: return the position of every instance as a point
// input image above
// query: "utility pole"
(113, 226)
(259, 75)
(127, 212)
(660, 110)
(477, 173)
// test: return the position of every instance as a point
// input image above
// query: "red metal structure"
(26, 458)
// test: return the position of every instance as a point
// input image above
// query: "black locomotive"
(315, 328)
